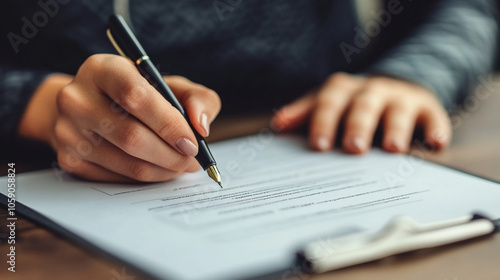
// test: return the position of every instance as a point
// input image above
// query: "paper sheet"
(277, 195)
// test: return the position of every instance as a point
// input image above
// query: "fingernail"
(439, 139)
(275, 125)
(277, 120)
(323, 144)
(187, 147)
(359, 144)
(204, 124)
(398, 144)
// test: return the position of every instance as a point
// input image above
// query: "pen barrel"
(151, 74)
(204, 156)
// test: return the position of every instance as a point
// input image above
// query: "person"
(314, 63)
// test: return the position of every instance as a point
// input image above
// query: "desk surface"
(43, 255)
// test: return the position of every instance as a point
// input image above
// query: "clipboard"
(26, 209)
(325, 254)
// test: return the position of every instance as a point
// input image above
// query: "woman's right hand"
(112, 125)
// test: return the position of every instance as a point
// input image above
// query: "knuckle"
(192, 166)
(93, 62)
(355, 126)
(171, 128)
(70, 102)
(140, 170)
(60, 132)
(407, 108)
(132, 97)
(375, 84)
(65, 100)
(102, 63)
(339, 77)
(175, 165)
(357, 123)
(329, 102)
(68, 161)
(180, 164)
(132, 139)
(396, 126)
(403, 106)
(93, 59)
(364, 104)
(176, 78)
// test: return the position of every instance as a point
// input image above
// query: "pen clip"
(118, 49)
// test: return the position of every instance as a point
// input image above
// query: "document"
(277, 196)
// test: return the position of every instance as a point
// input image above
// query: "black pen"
(127, 45)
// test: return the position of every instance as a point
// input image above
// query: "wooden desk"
(475, 148)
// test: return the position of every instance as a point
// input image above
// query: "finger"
(201, 104)
(158, 154)
(93, 172)
(125, 132)
(437, 127)
(399, 124)
(362, 120)
(104, 162)
(88, 146)
(121, 81)
(193, 166)
(111, 158)
(330, 106)
(70, 155)
(294, 114)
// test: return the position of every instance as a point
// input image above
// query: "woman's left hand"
(362, 103)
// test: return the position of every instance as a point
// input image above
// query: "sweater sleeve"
(16, 88)
(449, 52)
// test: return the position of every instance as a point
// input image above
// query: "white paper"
(277, 195)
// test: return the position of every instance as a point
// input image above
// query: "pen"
(127, 45)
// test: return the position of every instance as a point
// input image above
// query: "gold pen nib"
(213, 173)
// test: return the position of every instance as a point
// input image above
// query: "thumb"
(295, 114)
(200, 103)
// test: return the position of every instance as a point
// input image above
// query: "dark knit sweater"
(258, 55)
